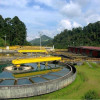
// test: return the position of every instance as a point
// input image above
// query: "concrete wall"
(17, 91)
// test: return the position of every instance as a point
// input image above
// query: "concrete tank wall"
(17, 91)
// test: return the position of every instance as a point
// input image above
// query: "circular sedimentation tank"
(35, 81)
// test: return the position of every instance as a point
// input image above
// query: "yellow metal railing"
(26, 51)
(18, 47)
(35, 60)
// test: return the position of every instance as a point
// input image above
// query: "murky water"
(31, 80)
(7, 82)
(23, 81)
(38, 79)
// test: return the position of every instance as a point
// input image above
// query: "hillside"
(45, 40)
(86, 36)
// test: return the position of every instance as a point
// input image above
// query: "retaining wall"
(17, 91)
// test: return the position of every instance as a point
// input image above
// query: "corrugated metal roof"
(90, 47)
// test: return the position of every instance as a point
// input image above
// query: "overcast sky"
(51, 16)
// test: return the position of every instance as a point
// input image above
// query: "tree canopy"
(14, 30)
(86, 36)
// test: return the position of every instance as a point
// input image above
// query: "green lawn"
(87, 79)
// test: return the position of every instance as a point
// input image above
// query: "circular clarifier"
(37, 81)
(30, 73)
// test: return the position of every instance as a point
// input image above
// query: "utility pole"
(40, 39)
(5, 39)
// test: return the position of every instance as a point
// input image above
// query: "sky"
(50, 17)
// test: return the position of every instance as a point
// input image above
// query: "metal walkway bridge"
(17, 62)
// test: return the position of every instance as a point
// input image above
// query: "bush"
(2, 42)
(91, 94)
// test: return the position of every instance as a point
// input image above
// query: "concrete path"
(89, 64)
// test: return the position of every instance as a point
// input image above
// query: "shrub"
(91, 94)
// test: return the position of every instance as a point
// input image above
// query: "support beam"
(46, 65)
(44, 78)
(1, 80)
(31, 80)
(15, 82)
(38, 65)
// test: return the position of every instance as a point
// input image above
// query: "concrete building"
(86, 50)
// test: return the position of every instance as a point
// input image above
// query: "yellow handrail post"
(38, 65)
(31, 53)
(46, 65)
(36, 54)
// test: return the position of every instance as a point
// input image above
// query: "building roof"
(91, 47)
(88, 47)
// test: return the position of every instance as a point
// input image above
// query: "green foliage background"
(14, 29)
(88, 36)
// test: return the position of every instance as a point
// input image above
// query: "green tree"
(19, 31)
(1, 26)
(88, 35)
(2, 42)
(14, 29)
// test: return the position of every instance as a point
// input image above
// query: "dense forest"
(86, 36)
(12, 32)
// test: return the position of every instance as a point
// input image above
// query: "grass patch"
(87, 79)
(94, 64)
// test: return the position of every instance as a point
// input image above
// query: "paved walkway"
(89, 64)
